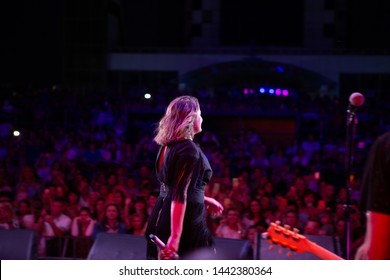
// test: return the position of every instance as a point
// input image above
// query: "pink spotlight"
(285, 92)
(278, 91)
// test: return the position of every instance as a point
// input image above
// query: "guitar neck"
(322, 253)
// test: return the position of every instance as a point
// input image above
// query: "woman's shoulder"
(185, 147)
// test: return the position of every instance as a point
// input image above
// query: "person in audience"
(308, 207)
(8, 219)
(29, 183)
(140, 208)
(98, 212)
(327, 223)
(111, 223)
(84, 190)
(312, 227)
(152, 199)
(254, 216)
(251, 236)
(52, 226)
(23, 208)
(83, 224)
(81, 231)
(137, 224)
(119, 198)
(291, 219)
(31, 220)
(72, 206)
(231, 226)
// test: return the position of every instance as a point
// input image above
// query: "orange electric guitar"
(286, 238)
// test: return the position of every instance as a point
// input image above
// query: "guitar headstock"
(286, 238)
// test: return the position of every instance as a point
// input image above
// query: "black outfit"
(184, 174)
(376, 178)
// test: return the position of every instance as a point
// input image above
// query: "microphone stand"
(351, 128)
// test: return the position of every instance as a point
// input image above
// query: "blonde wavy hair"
(178, 121)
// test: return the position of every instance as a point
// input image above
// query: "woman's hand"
(213, 206)
(167, 254)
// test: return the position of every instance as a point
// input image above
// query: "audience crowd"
(84, 164)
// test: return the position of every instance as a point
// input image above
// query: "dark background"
(66, 41)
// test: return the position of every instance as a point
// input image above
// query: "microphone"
(157, 241)
(169, 254)
(356, 100)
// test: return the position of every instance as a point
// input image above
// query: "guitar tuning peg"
(289, 254)
(271, 247)
(277, 223)
(287, 227)
(280, 251)
(296, 231)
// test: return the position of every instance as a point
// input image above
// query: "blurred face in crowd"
(5, 212)
(56, 208)
(84, 188)
(104, 190)
(251, 235)
(112, 180)
(255, 206)
(312, 227)
(137, 222)
(24, 208)
(100, 206)
(118, 198)
(152, 200)
(227, 203)
(309, 199)
(232, 217)
(73, 198)
(291, 219)
(84, 215)
(112, 212)
(139, 206)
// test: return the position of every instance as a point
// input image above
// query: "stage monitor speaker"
(225, 249)
(17, 244)
(231, 249)
(279, 253)
(111, 246)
